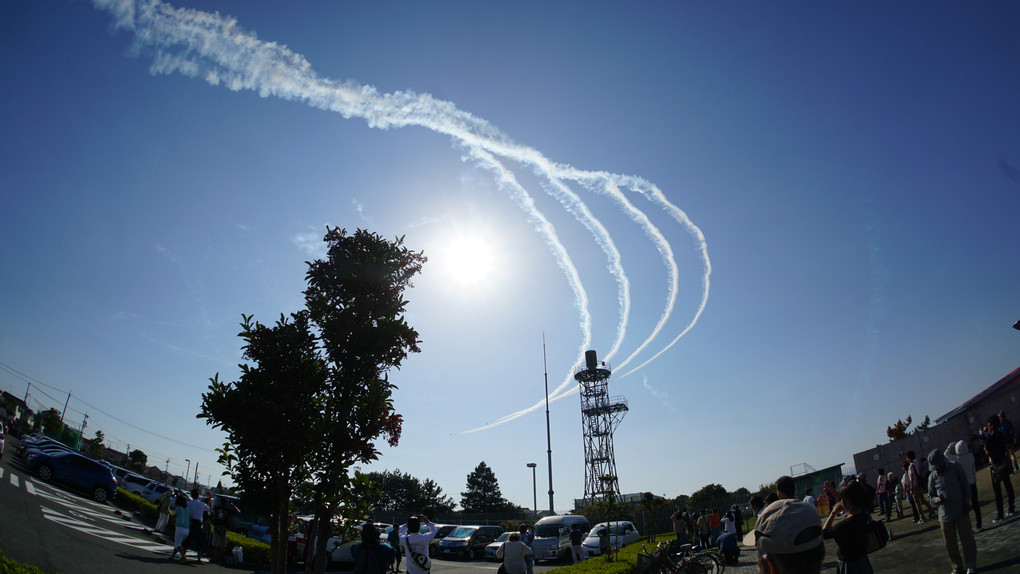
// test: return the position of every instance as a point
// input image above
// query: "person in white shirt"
(810, 498)
(196, 537)
(416, 543)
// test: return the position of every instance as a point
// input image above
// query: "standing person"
(165, 501)
(1006, 426)
(393, 539)
(948, 490)
(679, 526)
(415, 543)
(371, 556)
(809, 498)
(905, 486)
(738, 521)
(220, 520)
(895, 495)
(513, 553)
(714, 525)
(728, 524)
(788, 539)
(527, 537)
(576, 537)
(917, 486)
(703, 531)
(851, 532)
(196, 536)
(999, 465)
(182, 522)
(882, 489)
(959, 453)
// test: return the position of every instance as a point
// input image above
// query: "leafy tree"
(482, 493)
(433, 500)
(267, 415)
(709, 492)
(355, 298)
(898, 430)
(51, 424)
(743, 493)
(924, 425)
(138, 460)
(96, 449)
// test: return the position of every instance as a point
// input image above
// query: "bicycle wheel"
(718, 562)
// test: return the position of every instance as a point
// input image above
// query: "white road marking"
(14, 480)
(103, 533)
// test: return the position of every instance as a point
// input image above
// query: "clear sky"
(826, 196)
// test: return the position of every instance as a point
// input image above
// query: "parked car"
(45, 448)
(37, 442)
(242, 522)
(468, 541)
(493, 547)
(76, 470)
(338, 549)
(154, 490)
(442, 531)
(134, 483)
(621, 533)
(3, 435)
(552, 536)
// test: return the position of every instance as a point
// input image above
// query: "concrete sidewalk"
(919, 549)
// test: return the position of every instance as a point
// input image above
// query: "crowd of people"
(789, 534)
(198, 524)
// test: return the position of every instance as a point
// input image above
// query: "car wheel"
(100, 495)
(45, 472)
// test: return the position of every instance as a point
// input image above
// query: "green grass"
(624, 561)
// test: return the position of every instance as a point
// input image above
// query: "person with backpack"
(370, 555)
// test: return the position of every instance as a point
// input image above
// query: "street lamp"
(187, 472)
(534, 491)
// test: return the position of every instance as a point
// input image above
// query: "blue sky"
(848, 167)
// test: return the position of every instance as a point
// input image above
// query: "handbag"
(422, 560)
(876, 536)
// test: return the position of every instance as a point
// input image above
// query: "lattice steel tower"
(600, 415)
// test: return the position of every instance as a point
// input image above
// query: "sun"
(468, 259)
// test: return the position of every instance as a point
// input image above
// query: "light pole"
(534, 492)
(187, 472)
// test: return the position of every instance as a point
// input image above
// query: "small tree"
(96, 449)
(709, 492)
(898, 430)
(51, 424)
(139, 460)
(482, 493)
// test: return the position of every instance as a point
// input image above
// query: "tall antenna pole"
(548, 433)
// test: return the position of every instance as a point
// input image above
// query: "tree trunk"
(322, 534)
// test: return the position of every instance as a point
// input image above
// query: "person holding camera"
(415, 543)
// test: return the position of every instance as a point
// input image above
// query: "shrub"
(135, 503)
(8, 566)
(255, 551)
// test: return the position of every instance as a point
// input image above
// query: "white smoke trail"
(216, 49)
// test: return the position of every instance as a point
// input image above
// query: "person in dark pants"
(1000, 465)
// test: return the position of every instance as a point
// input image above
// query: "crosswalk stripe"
(30, 487)
(14, 480)
(103, 533)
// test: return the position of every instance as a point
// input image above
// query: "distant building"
(962, 423)
(14, 409)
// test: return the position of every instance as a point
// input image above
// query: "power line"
(27, 378)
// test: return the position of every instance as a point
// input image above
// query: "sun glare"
(468, 261)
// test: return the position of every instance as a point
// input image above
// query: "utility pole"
(548, 433)
(65, 406)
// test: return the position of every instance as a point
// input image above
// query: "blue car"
(75, 470)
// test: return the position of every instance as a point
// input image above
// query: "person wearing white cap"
(948, 490)
(788, 537)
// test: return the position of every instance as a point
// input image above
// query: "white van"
(552, 536)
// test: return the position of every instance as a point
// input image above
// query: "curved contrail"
(216, 49)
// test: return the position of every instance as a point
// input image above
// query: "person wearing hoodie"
(947, 489)
(959, 453)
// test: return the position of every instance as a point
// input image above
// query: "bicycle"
(684, 561)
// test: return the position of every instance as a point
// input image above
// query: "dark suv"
(468, 541)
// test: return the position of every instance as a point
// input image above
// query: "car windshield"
(462, 532)
(503, 537)
(547, 530)
(445, 531)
